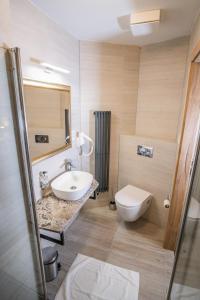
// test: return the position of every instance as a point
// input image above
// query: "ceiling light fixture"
(142, 23)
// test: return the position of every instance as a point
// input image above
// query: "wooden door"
(186, 153)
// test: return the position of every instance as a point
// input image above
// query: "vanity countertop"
(56, 215)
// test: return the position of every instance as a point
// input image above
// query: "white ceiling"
(108, 20)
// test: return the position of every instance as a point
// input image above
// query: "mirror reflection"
(47, 109)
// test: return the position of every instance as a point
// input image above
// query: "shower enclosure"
(185, 281)
(21, 269)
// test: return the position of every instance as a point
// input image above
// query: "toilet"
(132, 202)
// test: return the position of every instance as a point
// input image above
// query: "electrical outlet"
(41, 138)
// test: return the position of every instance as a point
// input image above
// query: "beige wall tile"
(160, 95)
(151, 174)
(109, 81)
(195, 36)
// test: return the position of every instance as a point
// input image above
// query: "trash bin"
(51, 264)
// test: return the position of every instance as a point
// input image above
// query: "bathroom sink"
(72, 185)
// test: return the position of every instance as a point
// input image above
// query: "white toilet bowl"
(132, 202)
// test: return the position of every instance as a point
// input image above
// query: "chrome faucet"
(68, 165)
(44, 181)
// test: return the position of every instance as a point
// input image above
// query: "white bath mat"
(92, 279)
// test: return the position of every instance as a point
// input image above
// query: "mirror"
(48, 114)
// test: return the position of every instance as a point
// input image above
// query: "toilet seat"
(131, 196)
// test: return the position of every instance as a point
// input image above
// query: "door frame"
(167, 245)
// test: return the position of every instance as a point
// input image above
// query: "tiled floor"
(98, 232)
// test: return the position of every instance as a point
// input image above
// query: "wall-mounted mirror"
(48, 114)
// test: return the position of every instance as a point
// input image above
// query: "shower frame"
(184, 217)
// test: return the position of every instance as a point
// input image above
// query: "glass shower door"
(185, 282)
(21, 271)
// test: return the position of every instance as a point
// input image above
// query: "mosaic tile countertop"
(55, 214)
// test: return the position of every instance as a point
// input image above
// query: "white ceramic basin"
(72, 185)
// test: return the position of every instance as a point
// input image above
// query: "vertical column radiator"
(102, 148)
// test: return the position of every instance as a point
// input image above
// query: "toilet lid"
(131, 196)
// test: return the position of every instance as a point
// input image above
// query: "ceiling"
(108, 20)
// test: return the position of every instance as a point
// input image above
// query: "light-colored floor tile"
(98, 232)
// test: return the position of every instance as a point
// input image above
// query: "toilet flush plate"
(145, 151)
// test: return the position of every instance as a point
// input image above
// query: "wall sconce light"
(3, 124)
(54, 68)
(48, 67)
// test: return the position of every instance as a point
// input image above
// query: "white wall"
(4, 22)
(39, 37)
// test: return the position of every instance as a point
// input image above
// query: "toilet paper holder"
(166, 203)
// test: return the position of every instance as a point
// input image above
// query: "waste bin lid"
(49, 254)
